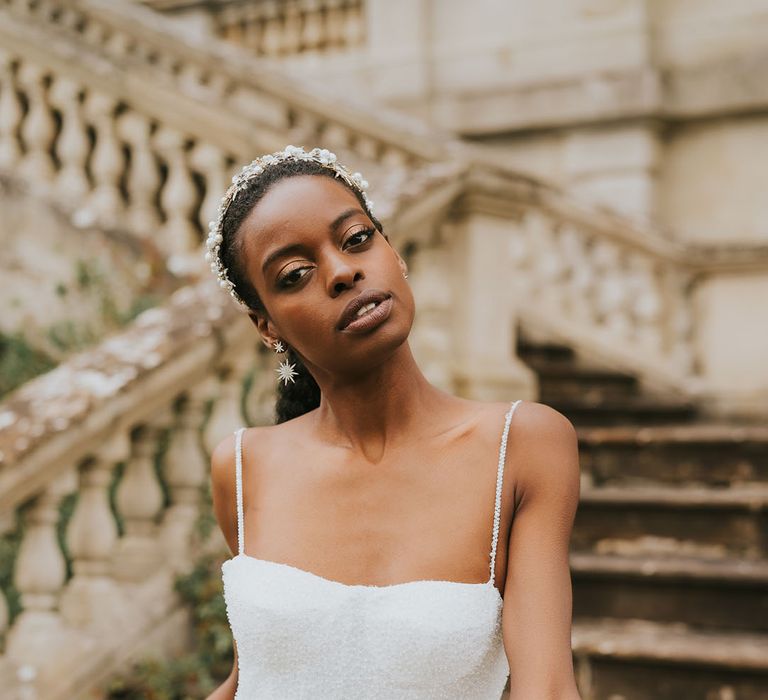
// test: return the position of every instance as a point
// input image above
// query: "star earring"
(286, 370)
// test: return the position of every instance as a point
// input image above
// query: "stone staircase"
(669, 549)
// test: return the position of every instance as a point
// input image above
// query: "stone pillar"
(731, 342)
(485, 301)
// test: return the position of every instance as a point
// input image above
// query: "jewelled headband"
(250, 172)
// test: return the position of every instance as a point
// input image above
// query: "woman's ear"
(265, 328)
(403, 266)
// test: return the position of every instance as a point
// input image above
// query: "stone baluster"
(610, 288)
(579, 279)
(143, 179)
(37, 129)
(94, 32)
(367, 148)
(105, 202)
(69, 18)
(39, 634)
(354, 29)
(550, 265)
(261, 393)
(312, 31)
(335, 136)
(271, 41)
(10, 114)
(211, 163)
(304, 129)
(226, 415)
(190, 80)
(92, 599)
(178, 198)
(139, 501)
(335, 24)
(252, 30)
(681, 323)
(291, 43)
(234, 24)
(644, 303)
(72, 146)
(118, 44)
(185, 471)
(394, 158)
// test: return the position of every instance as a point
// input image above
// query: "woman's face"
(309, 249)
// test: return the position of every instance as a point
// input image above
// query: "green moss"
(20, 362)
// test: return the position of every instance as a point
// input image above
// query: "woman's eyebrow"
(343, 216)
(296, 247)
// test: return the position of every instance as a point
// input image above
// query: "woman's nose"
(344, 278)
(344, 274)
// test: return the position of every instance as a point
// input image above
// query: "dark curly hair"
(302, 395)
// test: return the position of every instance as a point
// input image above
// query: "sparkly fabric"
(301, 635)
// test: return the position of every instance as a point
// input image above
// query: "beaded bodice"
(300, 635)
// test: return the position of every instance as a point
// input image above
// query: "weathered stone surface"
(90, 381)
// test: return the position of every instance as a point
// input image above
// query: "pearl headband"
(241, 182)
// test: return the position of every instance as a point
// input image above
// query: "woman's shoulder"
(543, 445)
(223, 475)
(532, 420)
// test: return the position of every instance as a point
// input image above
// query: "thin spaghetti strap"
(499, 480)
(239, 488)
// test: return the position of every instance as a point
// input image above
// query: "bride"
(389, 540)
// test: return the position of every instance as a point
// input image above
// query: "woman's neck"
(377, 411)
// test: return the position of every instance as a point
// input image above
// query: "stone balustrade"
(155, 149)
(296, 27)
(142, 411)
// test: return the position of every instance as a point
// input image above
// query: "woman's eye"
(368, 232)
(289, 279)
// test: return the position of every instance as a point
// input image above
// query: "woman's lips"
(371, 319)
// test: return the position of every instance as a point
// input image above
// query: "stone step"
(662, 520)
(531, 352)
(558, 382)
(715, 454)
(642, 660)
(724, 594)
(629, 410)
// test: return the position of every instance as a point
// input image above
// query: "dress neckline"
(383, 587)
(490, 583)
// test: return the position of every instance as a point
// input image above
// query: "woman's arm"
(226, 691)
(223, 495)
(542, 453)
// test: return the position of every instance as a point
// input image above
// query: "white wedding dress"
(300, 635)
